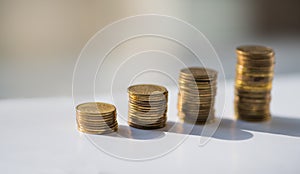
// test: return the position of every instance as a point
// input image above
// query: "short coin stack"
(254, 75)
(147, 107)
(196, 97)
(96, 118)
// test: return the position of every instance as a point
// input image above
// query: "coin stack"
(196, 97)
(253, 84)
(147, 107)
(96, 118)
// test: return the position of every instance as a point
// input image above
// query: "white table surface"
(39, 135)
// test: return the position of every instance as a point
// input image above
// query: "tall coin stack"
(147, 107)
(253, 84)
(96, 118)
(196, 97)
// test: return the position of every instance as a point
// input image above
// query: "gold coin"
(255, 50)
(96, 118)
(198, 72)
(147, 89)
(253, 83)
(147, 106)
(156, 126)
(197, 91)
(95, 108)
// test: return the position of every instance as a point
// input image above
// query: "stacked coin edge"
(196, 97)
(148, 109)
(253, 83)
(93, 118)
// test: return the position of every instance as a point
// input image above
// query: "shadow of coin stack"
(96, 118)
(253, 83)
(196, 97)
(147, 108)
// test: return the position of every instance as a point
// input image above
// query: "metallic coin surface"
(147, 89)
(96, 118)
(253, 82)
(95, 108)
(196, 97)
(147, 106)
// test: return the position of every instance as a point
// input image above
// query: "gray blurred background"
(40, 40)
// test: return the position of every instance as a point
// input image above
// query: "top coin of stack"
(196, 97)
(147, 107)
(96, 118)
(253, 84)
